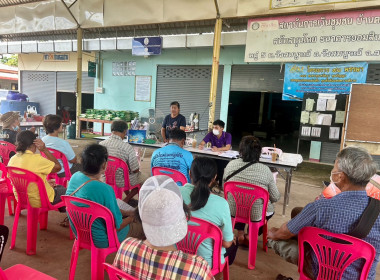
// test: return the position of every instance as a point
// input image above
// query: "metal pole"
(215, 69)
(79, 78)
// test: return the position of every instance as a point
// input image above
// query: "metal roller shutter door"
(190, 86)
(66, 82)
(257, 78)
(41, 88)
(329, 151)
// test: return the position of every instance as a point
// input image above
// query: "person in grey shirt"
(116, 147)
(257, 174)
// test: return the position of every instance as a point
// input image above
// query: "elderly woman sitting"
(352, 171)
(254, 173)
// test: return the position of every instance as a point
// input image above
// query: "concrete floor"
(54, 247)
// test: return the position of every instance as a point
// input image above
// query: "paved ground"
(54, 246)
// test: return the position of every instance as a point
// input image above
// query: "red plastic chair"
(113, 164)
(61, 156)
(17, 271)
(21, 180)
(174, 174)
(197, 231)
(6, 192)
(5, 149)
(333, 257)
(116, 274)
(82, 218)
(244, 200)
(20, 271)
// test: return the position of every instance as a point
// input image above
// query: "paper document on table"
(230, 154)
(123, 205)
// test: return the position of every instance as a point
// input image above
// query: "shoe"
(65, 222)
(133, 202)
(282, 277)
(243, 240)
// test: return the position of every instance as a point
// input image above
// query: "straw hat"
(9, 118)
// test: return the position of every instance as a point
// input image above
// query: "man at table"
(173, 155)
(219, 139)
(116, 147)
(172, 121)
(220, 142)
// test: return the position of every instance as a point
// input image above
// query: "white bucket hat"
(161, 211)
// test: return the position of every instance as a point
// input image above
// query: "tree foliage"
(10, 60)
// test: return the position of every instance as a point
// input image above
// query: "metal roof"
(5, 3)
(175, 28)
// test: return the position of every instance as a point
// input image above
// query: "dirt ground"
(54, 246)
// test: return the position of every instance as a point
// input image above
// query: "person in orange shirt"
(372, 188)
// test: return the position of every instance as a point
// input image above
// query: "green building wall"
(119, 90)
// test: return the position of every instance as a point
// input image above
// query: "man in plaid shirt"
(164, 222)
(352, 171)
(116, 147)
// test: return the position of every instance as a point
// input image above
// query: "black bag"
(239, 170)
(367, 220)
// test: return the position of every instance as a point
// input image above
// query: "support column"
(79, 79)
(262, 99)
(215, 70)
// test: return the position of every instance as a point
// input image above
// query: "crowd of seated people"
(149, 232)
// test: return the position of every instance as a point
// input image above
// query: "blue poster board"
(146, 46)
(321, 78)
(136, 136)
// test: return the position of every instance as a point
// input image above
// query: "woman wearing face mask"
(88, 185)
(11, 126)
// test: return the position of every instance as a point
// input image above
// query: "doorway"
(66, 101)
(265, 116)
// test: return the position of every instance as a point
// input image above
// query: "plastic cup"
(274, 156)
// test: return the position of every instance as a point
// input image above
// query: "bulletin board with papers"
(322, 117)
(363, 118)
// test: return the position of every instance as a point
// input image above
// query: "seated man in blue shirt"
(173, 155)
(352, 171)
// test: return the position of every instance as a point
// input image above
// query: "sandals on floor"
(282, 277)
(65, 222)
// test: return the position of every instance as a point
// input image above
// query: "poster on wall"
(318, 120)
(341, 36)
(325, 78)
(143, 86)
(279, 4)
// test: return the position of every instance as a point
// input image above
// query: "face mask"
(16, 128)
(331, 180)
(215, 131)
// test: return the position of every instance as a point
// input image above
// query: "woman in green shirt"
(94, 160)
(207, 206)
